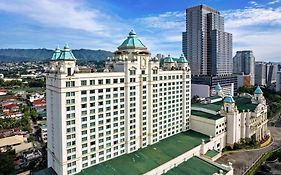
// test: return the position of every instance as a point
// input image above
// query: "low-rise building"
(236, 118)
(44, 134)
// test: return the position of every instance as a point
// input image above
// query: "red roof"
(39, 102)
(9, 98)
(3, 90)
(11, 106)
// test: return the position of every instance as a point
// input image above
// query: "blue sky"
(104, 24)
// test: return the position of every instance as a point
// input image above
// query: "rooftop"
(211, 106)
(151, 157)
(242, 103)
(206, 115)
(195, 166)
(258, 90)
(211, 153)
(132, 41)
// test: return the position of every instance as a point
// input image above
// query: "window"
(83, 92)
(107, 81)
(70, 83)
(132, 72)
(115, 80)
(70, 94)
(83, 82)
(122, 80)
(92, 82)
(68, 71)
(143, 72)
(154, 71)
(100, 81)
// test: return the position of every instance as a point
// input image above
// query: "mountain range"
(46, 54)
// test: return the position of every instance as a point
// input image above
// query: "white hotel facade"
(96, 116)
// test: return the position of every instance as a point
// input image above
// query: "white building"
(44, 133)
(236, 118)
(97, 116)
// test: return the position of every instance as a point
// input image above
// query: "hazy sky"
(104, 24)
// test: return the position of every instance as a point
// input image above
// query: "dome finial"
(132, 32)
(66, 46)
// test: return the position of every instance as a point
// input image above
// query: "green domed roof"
(169, 59)
(218, 87)
(182, 59)
(228, 99)
(132, 42)
(258, 90)
(66, 54)
(56, 54)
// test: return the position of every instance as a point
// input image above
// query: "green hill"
(46, 54)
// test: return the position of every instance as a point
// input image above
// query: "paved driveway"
(242, 160)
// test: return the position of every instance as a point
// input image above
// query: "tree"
(6, 161)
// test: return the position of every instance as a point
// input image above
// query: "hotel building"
(94, 116)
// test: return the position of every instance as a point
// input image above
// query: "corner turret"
(63, 62)
(258, 96)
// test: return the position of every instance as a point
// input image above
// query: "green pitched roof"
(242, 103)
(132, 41)
(258, 90)
(56, 54)
(66, 54)
(228, 99)
(169, 59)
(182, 59)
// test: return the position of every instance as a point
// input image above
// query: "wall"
(200, 90)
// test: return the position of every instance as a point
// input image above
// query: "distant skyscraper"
(184, 44)
(209, 48)
(260, 73)
(206, 43)
(271, 73)
(244, 63)
(266, 73)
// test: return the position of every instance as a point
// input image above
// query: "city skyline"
(102, 25)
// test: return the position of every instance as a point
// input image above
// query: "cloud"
(68, 14)
(252, 16)
(253, 3)
(163, 32)
(167, 20)
(257, 29)
(274, 2)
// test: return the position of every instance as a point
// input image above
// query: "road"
(243, 159)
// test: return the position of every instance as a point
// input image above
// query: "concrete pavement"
(242, 160)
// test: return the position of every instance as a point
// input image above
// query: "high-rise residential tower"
(265, 73)
(209, 48)
(207, 44)
(244, 63)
